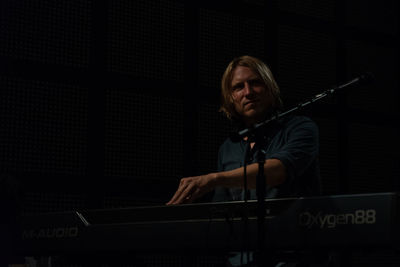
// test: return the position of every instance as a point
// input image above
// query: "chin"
(254, 117)
(253, 114)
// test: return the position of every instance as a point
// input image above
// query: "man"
(250, 95)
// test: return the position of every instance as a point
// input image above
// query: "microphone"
(367, 78)
(363, 79)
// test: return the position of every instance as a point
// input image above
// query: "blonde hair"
(261, 70)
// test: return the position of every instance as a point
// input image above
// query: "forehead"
(242, 73)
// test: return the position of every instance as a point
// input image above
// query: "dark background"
(109, 103)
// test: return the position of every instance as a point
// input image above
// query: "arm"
(286, 164)
(191, 188)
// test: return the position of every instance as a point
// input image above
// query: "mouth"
(250, 102)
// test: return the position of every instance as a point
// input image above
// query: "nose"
(247, 90)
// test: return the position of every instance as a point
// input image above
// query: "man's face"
(251, 98)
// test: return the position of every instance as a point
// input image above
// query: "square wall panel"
(373, 158)
(52, 32)
(382, 62)
(376, 16)
(44, 126)
(42, 202)
(143, 136)
(306, 63)
(214, 128)
(223, 37)
(328, 154)
(323, 9)
(146, 39)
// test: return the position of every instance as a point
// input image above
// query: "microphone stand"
(260, 192)
(257, 132)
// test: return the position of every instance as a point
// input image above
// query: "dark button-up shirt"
(293, 141)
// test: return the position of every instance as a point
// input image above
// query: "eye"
(237, 87)
(256, 82)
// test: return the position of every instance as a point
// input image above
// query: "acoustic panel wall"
(374, 16)
(143, 135)
(44, 125)
(214, 128)
(146, 39)
(324, 10)
(222, 37)
(41, 202)
(306, 63)
(53, 32)
(382, 62)
(328, 154)
(373, 158)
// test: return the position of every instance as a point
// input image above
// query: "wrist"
(214, 179)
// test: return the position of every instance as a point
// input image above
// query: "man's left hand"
(191, 188)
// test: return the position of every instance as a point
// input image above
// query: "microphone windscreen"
(367, 78)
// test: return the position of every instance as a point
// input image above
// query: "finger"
(185, 195)
(174, 197)
(178, 192)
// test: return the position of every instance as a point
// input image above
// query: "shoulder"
(300, 122)
(299, 128)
